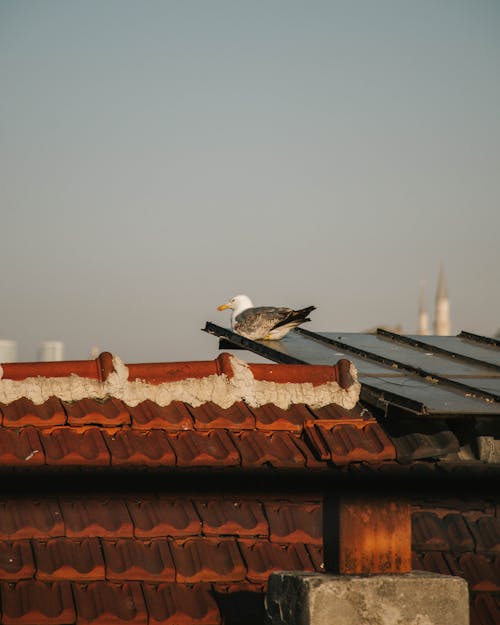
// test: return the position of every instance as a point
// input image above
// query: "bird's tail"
(296, 317)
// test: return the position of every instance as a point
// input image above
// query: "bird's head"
(238, 302)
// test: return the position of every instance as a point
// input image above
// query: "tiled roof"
(158, 554)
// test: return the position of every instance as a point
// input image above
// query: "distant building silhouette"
(8, 350)
(423, 317)
(49, 351)
(442, 324)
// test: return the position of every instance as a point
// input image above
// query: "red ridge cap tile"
(428, 532)
(94, 369)
(155, 517)
(70, 447)
(147, 416)
(96, 517)
(158, 373)
(65, 559)
(176, 604)
(37, 603)
(486, 531)
(271, 418)
(232, 516)
(295, 522)
(263, 558)
(23, 412)
(136, 448)
(204, 449)
(107, 413)
(207, 560)
(347, 443)
(209, 415)
(299, 374)
(21, 448)
(106, 603)
(30, 518)
(132, 559)
(479, 572)
(16, 560)
(276, 449)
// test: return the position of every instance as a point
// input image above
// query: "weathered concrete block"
(417, 598)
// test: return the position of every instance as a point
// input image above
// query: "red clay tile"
(485, 610)
(106, 603)
(204, 449)
(428, 533)
(334, 412)
(300, 374)
(20, 448)
(148, 416)
(23, 412)
(317, 557)
(295, 522)
(30, 518)
(90, 517)
(16, 560)
(261, 448)
(65, 559)
(263, 557)
(73, 447)
(176, 604)
(271, 418)
(37, 603)
(479, 572)
(108, 413)
(136, 448)
(157, 373)
(458, 533)
(210, 415)
(155, 517)
(435, 562)
(347, 443)
(207, 560)
(60, 369)
(232, 516)
(486, 531)
(140, 560)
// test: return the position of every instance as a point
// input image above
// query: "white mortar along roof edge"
(220, 389)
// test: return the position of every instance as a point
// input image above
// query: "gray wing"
(255, 323)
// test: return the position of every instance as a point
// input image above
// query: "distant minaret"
(423, 317)
(442, 325)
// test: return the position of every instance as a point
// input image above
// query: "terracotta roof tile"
(485, 609)
(207, 560)
(140, 560)
(134, 447)
(96, 517)
(270, 417)
(317, 557)
(486, 531)
(23, 412)
(108, 413)
(260, 448)
(232, 516)
(147, 416)
(435, 562)
(107, 603)
(20, 448)
(30, 518)
(428, 533)
(479, 571)
(458, 533)
(176, 604)
(204, 449)
(295, 522)
(262, 558)
(74, 447)
(16, 560)
(345, 443)
(65, 559)
(334, 412)
(154, 517)
(37, 603)
(209, 416)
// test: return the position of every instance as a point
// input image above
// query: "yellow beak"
(222, 307)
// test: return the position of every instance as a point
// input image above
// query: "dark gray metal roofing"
(432, 376)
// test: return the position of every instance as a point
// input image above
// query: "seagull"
(263, 322)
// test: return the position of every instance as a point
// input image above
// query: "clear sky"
(158, 157)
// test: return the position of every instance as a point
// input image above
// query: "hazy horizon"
(159, 157)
